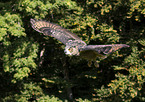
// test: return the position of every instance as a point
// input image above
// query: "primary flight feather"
(74, 45)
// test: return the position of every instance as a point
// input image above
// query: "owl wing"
(103, 49)
(53, 30)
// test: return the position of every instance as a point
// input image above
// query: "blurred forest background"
(34, 68)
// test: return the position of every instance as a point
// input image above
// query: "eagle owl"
(74, 45)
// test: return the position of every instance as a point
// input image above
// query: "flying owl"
(74, 45)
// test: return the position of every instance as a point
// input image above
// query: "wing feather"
(104, 49)
(53, 30)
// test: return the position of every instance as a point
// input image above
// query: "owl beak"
(67, 52)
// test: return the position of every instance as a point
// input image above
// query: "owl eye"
(70, 49)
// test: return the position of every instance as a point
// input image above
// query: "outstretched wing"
(103, 49)
(53, 30)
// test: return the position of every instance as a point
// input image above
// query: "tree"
(33, 67)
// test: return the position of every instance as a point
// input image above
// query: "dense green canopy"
(33, 67)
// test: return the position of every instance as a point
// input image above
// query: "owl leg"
(89, 63)
(103, 57)
(96, 64)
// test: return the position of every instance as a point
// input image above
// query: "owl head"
(72, 47)
(71, 50)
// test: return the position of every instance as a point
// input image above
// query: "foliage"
(33, 67)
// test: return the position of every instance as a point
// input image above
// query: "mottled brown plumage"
(74, 45)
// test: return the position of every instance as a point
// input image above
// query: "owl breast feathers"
(74, 45)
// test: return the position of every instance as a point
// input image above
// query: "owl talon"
(89, 63)
(96, 64)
